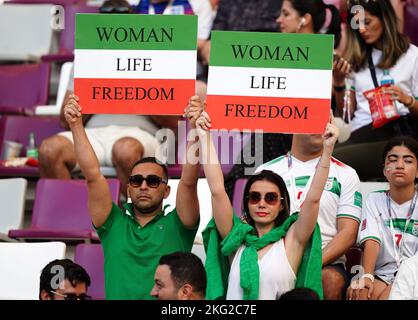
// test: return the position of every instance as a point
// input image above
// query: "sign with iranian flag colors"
(135, 64)
(271, 81)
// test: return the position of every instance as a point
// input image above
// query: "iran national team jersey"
(341, 197)
(376, 226)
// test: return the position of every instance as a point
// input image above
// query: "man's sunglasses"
(115, 10)
(152, 180)
(271, 198)
(72, 296)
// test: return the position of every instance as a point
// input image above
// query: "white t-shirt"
(376, 226)
(276, 274)
(341, 197)
(405, 286)
(404, 73)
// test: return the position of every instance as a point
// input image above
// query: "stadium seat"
(60, 212)
(17, 129)
(12, 198)
(205, 204)
(23, 87)
(21, 265)
(367, 187)
(90, 257)
(27, 32)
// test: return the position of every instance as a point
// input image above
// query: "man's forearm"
(84, 152)
(337, 247)
(190, 171)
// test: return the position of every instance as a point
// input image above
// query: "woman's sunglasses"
(271, 198)
(152, 180)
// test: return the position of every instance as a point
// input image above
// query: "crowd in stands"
(302, 210)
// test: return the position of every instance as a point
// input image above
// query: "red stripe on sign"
(285, 115)
(134, 96)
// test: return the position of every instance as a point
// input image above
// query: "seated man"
(179, 276)
(63, 280)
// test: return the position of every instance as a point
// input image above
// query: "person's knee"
(53, 148)
(333, 284)
(126, 151)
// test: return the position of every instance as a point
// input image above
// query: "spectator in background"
(201, 8)
(179, 276)
(405, 285)
(390, 51)
(244, 15)
(63, 280)
(389, 227)
(133, 243)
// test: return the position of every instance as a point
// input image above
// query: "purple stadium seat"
(17, 129)
(411, 20)
(60, 211)
(66, 47)
(90, 257)
(238, 194)
(23, 87)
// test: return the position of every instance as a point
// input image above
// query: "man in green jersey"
(134, 238)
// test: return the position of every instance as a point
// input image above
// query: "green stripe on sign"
(136, 32)
(271, 50)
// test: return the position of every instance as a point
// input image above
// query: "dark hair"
(318, 11)
(185, 268)
(274, 178)
(406, 141)
(299, 294)
(152, 160)
(73, 272)
(395, 43)
(115, 6)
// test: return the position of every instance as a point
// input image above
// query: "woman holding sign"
(389, 230)
(267, 250)
(384, 84)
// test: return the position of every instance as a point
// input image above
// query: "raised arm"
(187, 203)
(221, 205)
(99, 196)
(301, 231)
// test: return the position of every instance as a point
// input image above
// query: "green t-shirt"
(132, 252)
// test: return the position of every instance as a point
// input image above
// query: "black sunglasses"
(72, 296)
(271, 198)
(115, 10)
(152, 180)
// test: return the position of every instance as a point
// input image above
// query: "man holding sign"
(133, 243)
